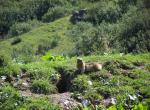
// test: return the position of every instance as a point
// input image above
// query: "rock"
(25, 84)
(109, 101)
(64, 100)
(3, 78)
(77, 16)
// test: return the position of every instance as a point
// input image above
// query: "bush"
(46, 45)
(42, 87)
(11, 69)
(23, 27)
(104, 11)
(39, 104)
(19, 28)
(133, 34)
(112, 67)
(100, 74)
(16, 40)
(39, 71)
(54, 13)
(10, 98)
(88, 39)
(80, 84)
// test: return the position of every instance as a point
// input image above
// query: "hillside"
(125, 78)
(41, 39)
(52, 51)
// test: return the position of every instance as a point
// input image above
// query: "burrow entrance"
(65, 83)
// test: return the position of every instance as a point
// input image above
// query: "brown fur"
(88, 67)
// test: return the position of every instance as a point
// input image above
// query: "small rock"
(3, 77)
(25, 84)
(109, 101)
(85, 103)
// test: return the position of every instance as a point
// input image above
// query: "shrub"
(39, 104)
(23, 27)
(39, 71)
(88, 39)
(54, 13)
(80, 84)
(10, 98)
(23, 54)
(112, 67)
(19, 28)
(104, 11)
(42, 87)
(46, 45)
(103, 74)
(134, 31)
(16, 40)
(11, 69)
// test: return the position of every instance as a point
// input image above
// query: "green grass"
(104, 83)
(41, 36)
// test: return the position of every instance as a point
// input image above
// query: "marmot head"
(79, 60)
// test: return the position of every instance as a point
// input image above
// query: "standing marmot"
(87, 67)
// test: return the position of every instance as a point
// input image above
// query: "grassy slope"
(131, 80)
(71, 63)
(42, 35)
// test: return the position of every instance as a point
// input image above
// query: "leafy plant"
(50, 57)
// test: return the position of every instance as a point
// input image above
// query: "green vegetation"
(10, 99)
(41, 86)
(20, 28)
(40, 42)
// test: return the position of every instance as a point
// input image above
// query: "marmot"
(87, 67)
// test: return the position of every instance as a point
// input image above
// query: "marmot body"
(87, 67)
